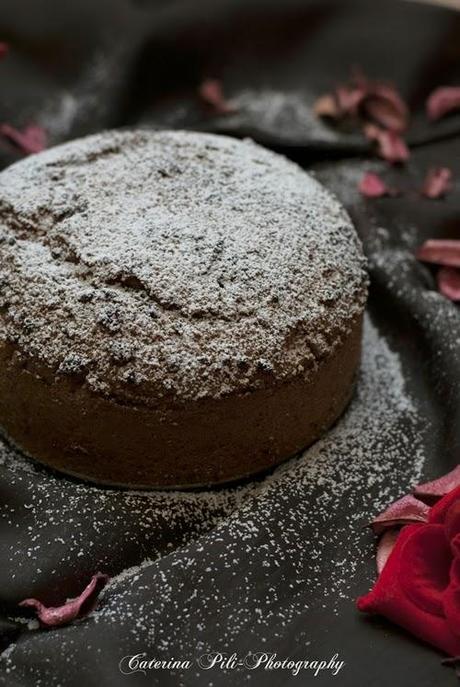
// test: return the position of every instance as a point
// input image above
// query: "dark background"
(79, 67)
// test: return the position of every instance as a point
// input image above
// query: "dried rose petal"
(372, 132)
(384, 548)
(327, 106)
(372, 101)
(372, 186)
(390, 146)
(349, 99)
(434, 490)
(438, 182)
(211, 93)
(440, 252)
(4, 49)
(443, 100)
(32, 139)
(449, 283)
(418, 586)
(75, 608)
(385, 106)
(344, 102)
(402, 512)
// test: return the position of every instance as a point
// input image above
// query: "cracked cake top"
(154, 265)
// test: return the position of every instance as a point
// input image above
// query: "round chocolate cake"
(176, 309)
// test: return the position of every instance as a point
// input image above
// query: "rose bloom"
(419, 586)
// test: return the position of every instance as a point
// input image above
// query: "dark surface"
(121, 63)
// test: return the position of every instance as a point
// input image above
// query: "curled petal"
(349, 99)
(367, 100)
(74, 608)
(32, 139)
(390, 145)
(442, 101)
(434, 490)
(389, 599)
(372, 186)
(343, 102)
(438, 512)
(404, 511)
(419, 565)
(327, 106)
(212, 94)
(438, 182)
(385, 546)
(440, 252)
(449, 283)
(384, 105)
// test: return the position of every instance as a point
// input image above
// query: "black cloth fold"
(272, 565)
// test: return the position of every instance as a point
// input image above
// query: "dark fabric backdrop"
(79, 67)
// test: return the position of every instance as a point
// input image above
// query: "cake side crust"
(210, 442)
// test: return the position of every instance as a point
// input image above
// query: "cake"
(177, 309)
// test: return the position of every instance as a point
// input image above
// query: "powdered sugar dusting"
(286, 115)
(374, 449)
(152, 264)
(283, 528)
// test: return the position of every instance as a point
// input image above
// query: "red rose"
(419, 585)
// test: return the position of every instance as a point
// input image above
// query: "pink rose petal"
(32, 139)
(343, 102)
(384, 548)
(418, 586)
(390, 145)
(75, 608)
(449, 283)
(384, 105)
(211, 93)
(438, 182)
(440, 252)
(373, 186)
(443, 100)
(327, 106)
(434, 490)
(406, 510)
(349, 99)
(371, 101)
(439, 510)
(405, 588)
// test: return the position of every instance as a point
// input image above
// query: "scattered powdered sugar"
(276, 548)
(152, 264)
(285, 115)
(391, 246)
(60, 114)
(373, 451)
(86, 104)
